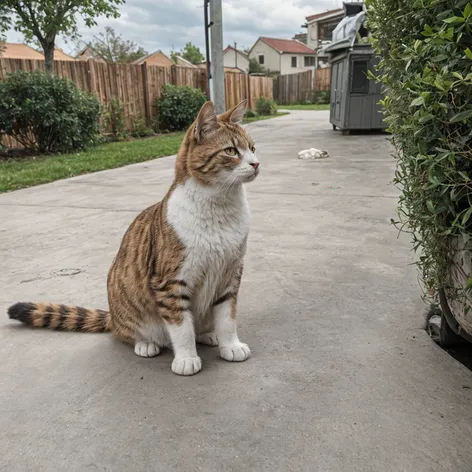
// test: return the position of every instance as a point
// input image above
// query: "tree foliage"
(113, 48)
(255, 67)
(190, 53)
(44, 20)
(426, 67)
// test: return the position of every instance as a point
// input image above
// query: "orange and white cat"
(176, 277)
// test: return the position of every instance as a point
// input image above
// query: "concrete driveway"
(342, 377)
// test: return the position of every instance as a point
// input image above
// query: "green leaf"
(417, 102)
(467, 11)
(430, 206)
(468, 53)
(466, 216)
(462, 116)
(425, 118)
(457, 75)
(454, 20)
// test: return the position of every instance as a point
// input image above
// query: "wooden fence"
(138, 86)
(295, 88)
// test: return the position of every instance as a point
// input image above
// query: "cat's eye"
(253, 149)
(231, 151)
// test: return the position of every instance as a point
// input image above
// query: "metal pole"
(217, 60)
(207, 44)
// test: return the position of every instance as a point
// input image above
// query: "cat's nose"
(255, 165)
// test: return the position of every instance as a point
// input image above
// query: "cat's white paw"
(209, 339)
(144, 349)
(237, 353)
(186, 365)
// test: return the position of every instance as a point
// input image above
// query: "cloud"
(169, 24)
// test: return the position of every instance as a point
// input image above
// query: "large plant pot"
(457, 305)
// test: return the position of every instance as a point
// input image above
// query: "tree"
(113, 48)
(190, 52)
(44, 20)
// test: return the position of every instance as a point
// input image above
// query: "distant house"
(236, 59)
(302, 37)
(180, 61)
(320, 30)
(157, 58)
(19, 51)
(23, 51)
(286, 56)
(87, 54)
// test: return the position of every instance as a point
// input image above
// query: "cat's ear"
(235, 114)
(206, 122)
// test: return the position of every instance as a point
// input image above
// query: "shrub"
(140, 129)
(47, 114)
(178, 107)
(114, 118)
(250, 114)
(426, 68)
(264, 106)
(321, 97)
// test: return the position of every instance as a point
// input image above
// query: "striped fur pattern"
(176, 277)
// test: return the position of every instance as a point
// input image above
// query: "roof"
(19, 51)
(60, 55)
(320, 16)
(143, 59)
(183, 62)
(230, 48)
(291, 46)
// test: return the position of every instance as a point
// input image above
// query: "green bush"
(321, 97)
(250, 114)
(178, 107)
(114, 116)
(140, 129)
(47, 114)
(265, 107)
(426, 68)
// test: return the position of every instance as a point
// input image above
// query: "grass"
(263, 117)
(25, 172)
(304, 107)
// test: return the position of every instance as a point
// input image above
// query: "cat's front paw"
(186, 365)
(236, 353)
(209, 339)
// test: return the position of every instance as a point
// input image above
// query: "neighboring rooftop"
(325, 14)
(23, 51)
(291, 46)
(231, 48)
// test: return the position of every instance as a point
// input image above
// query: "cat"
(175, 279)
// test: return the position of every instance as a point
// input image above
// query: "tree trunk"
(48, 49)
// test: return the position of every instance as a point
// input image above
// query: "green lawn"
(261, 117)
(303, 107)
(26, 172)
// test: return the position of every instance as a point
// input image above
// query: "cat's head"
(218, 150)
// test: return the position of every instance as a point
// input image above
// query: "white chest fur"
(213, 225)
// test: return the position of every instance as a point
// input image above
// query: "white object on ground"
(312, 153)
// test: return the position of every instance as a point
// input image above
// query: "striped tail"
(61, 317)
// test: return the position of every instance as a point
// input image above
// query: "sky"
(168, 24)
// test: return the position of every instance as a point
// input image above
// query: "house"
(87, 54)
(19, 51)
(157, 58)
(302, 37)
(320, 27)
(180, 61)
(23, 51)
(286, 56)
(236, 59)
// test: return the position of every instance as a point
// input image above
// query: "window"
(309, 61)
(360, 82)
(294, 61)
(261, 60)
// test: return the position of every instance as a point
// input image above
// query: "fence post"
(147, 104)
